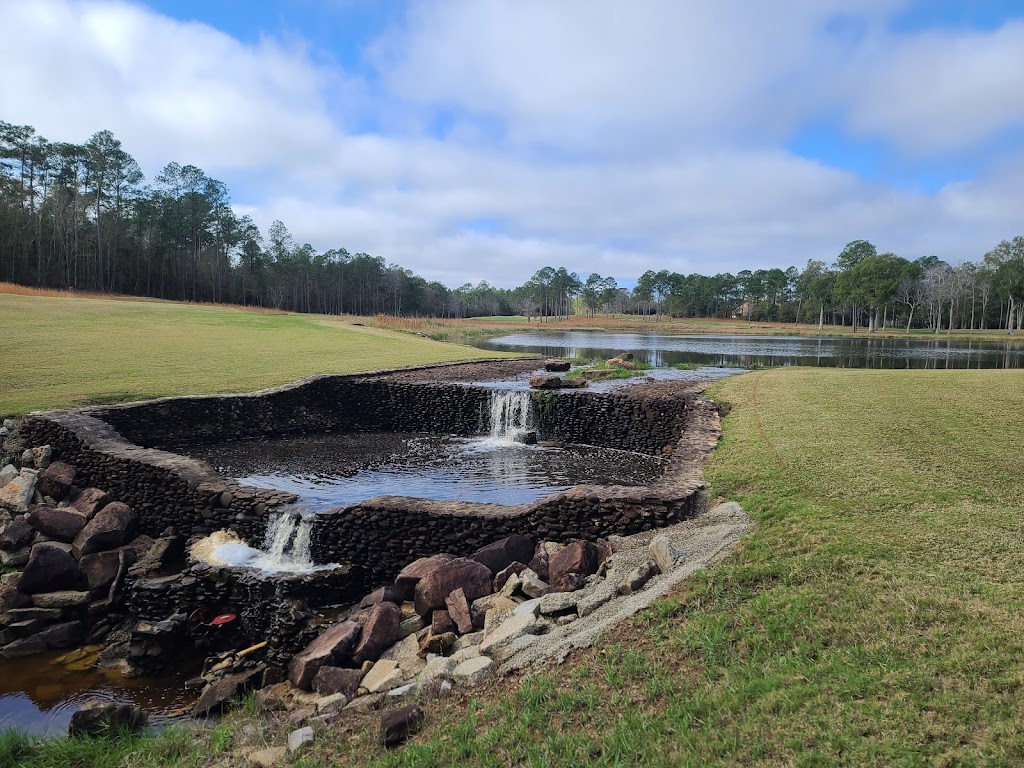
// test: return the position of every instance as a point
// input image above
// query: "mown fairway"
(57, 352)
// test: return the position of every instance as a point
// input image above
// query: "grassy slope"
(58, 352)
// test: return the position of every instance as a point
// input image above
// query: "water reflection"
(334, 470)
(770, 351)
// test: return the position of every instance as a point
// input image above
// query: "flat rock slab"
(474, 671)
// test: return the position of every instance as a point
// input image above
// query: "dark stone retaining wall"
(384, 533)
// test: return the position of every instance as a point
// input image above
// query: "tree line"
(83, 216)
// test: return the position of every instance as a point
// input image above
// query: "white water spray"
(287, 542)
(286, 547)
(511, 414)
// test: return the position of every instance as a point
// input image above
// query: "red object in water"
(224, 618)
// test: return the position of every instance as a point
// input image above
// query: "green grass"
(609, 372)
(872, 618)
(57, 352)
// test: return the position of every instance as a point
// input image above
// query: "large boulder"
(388, 594)
(49, 569)
(57, 479)
(411, 575)
(109, 529)
(557, 366)
(101, 568)
(460, 612)
(105, 718)
(501, 554)
(331, 680)
(579, 557)
(89, 501)
(461, 573)
(218, 693)
(17, 494)
(399, 724)
(550, 381)
(380, 632)
(16, 534)
(60, 523)
(331, 648)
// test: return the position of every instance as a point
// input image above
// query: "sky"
(473, 140)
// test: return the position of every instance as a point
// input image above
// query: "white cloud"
(606, 137)
(940, 91)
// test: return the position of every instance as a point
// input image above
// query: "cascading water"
(286, 546)
(511, 415)
(287, 542)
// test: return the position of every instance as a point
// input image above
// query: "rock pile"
(73, 547)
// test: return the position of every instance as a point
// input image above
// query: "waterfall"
(511, 414)
(287, 541)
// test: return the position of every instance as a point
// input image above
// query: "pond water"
(335, 470)
(38, 694)
(769, 351)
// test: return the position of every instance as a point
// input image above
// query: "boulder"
(90, 501)
(380, 632)
(221, 691)
(49, 569)
(329, 649)
(383, 676)
(60, 523)
(331, 680)
(459, 611)
(441, 622)
(57, 479)
(101, 568)
(512, 628)
(578, 557)
(539, 562)
(531, 584)
(665, 553)
(109, 529)
(105, 718)
(8, 473)
(569, 583)
(16, 534)
(61, 600)
(473, 671)
(417, 570)
(16, 559)
(16, 495)
(503, 575)
(299, 738)
(557, 366)
(472, 577)
(557, 602)
(637, 579)
(502, 553)
(399, 724)
(550, 381)
(41, 456)
(388, 594)
(63, 635)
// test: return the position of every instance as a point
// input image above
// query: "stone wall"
(115, 448)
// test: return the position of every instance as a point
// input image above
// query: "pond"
(335, 470)
(769, 351)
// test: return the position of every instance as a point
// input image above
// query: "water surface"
(334, 470)
(769, 351)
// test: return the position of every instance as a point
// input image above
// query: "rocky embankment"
(67, 552)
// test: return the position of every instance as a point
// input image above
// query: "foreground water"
(751, 351)
(38, 694)
(334, 470)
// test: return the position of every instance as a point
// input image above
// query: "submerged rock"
(105, 718)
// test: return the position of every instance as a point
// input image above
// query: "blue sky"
(484, 139)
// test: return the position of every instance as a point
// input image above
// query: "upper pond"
(749, 351)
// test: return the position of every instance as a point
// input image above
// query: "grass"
(63, 351)
(601, 371)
